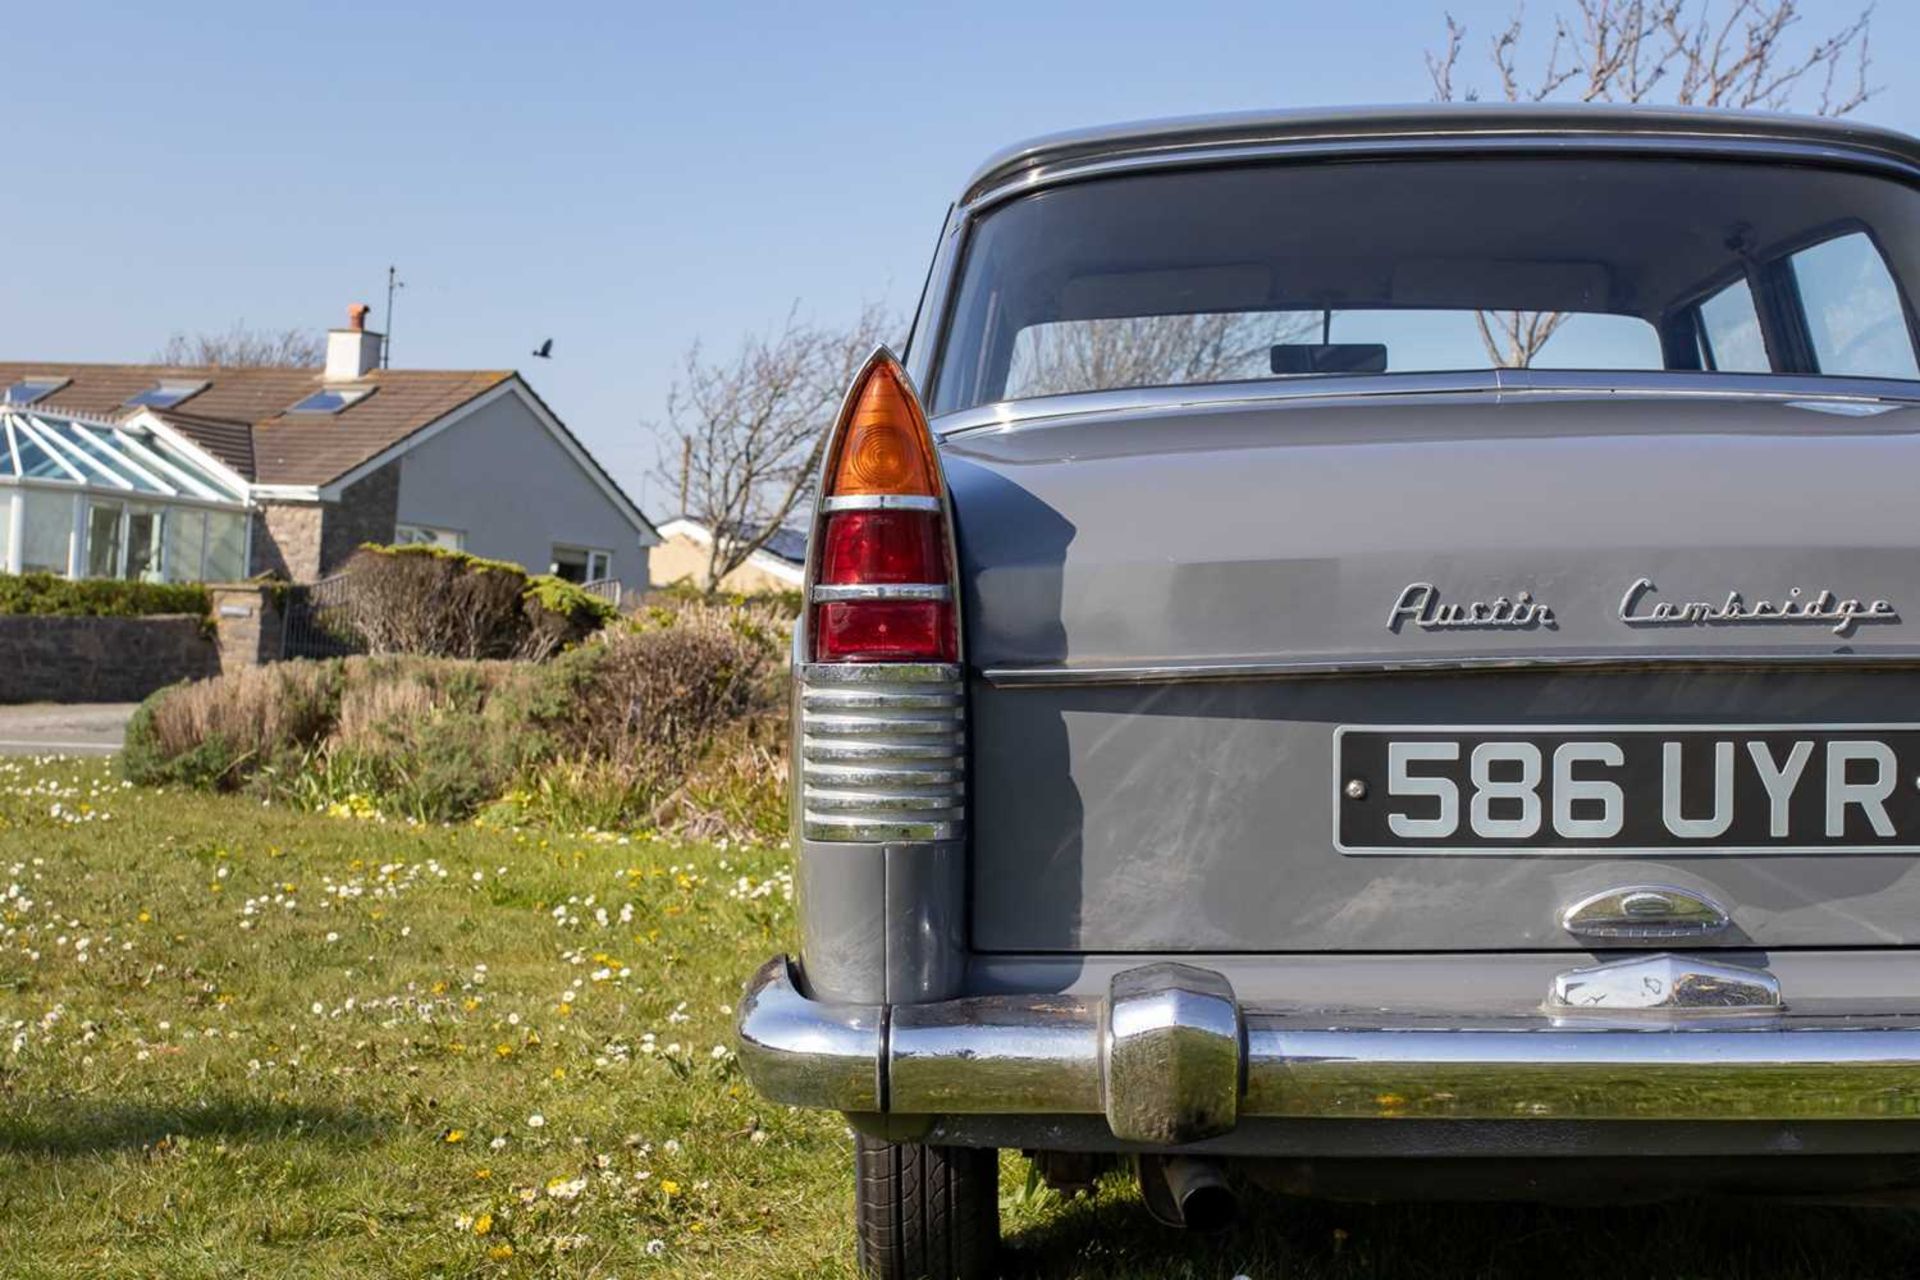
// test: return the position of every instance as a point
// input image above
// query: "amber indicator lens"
(887, 448)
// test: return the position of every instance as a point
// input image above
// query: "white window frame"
(408, 533)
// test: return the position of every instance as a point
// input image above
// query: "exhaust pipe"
(1188, 1192)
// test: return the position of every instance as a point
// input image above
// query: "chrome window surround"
(882, 751)
(1556, 137)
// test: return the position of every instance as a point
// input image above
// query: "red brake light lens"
(884, 631)
(882, 547)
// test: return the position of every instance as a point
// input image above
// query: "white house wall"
(513, 491)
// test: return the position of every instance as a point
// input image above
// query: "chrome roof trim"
(1246, 135)
(1071, 675)
(1650, 383)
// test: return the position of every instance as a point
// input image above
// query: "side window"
(1854, 316)
(1730, 331)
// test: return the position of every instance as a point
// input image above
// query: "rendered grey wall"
(501, 479)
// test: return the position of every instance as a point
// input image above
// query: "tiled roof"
(241, 417)
(228, 441)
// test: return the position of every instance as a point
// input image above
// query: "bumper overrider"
(1170, 1056)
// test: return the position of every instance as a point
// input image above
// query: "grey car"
(1372, 654)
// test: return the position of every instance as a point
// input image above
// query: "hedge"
(51, 594)
(435, 602)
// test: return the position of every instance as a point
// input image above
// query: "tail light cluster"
(882, 710)
(882, 561)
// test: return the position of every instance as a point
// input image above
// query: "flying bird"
(544, 351)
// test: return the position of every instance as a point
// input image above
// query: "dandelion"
(500, 1252)
(669, 1188)
(455, 1135)
(483, 1224)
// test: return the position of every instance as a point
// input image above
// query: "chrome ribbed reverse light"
(882, 751)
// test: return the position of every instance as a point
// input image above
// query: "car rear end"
(1388, 642)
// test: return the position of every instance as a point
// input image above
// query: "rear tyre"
(924, 1212)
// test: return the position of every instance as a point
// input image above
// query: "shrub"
(47, 593)
(674, 719)
(435, 602)
(219, 732)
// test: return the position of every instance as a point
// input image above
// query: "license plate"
(1627, 789)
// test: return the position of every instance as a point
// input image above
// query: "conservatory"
(87, 498)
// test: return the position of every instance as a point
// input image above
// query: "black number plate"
(1623, 789)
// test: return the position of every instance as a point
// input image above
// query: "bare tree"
(748, 431)
(1740, 54)
(244, 348)
(1148, 351)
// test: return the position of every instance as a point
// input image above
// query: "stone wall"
(248, 622)
(46, 659)
(365, 513)
(287, 539)
(306, 541)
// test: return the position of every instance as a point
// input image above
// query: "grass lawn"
(238, 1040)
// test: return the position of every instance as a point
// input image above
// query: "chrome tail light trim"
(882, 751)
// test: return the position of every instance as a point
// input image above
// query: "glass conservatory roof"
(105, 455)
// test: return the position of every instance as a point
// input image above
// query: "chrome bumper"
(1170, 1056)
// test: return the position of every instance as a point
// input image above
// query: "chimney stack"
(352, 352)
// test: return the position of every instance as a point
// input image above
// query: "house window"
(332, 399)
(32, 390)
(422, 535)
(226, 546)
(582, 564)
(103, 539)
(46, 537)
(166, 393)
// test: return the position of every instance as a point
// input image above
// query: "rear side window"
(1730, 331)
(1854, 317)
(1380, 267)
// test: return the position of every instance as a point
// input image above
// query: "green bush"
(675, 720)
(436, 602)
(48, 593)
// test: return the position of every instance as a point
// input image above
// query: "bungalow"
(183, 474)
(686, 544)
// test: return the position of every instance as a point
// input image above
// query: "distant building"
(184, 474)
(686, 543)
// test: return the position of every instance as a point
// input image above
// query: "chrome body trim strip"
(1652, 384)
(1376, 664)
(881, 751)
(881, 502)
(825, 592)
(1043, 1055)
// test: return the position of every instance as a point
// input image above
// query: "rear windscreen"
(1305, 270)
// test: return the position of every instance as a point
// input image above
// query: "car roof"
(1199, 134)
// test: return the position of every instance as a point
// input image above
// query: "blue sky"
(622, 178)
